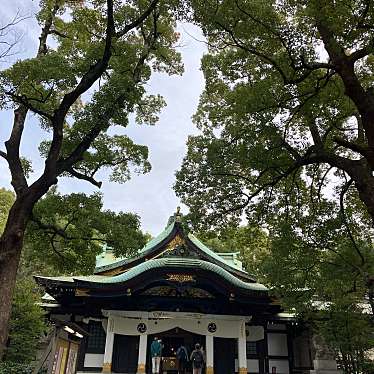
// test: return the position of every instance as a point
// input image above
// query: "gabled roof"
(161, 246)
(168, 263)
(101, 266)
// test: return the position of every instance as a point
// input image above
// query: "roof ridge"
(213, 253)
(174, 261)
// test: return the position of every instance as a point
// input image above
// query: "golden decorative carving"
(181, 278)
(81, 292)
(176, 242)
(242, 371)
(107, 367)
(209, 370)
(141, 369)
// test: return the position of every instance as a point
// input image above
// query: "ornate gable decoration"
(181, 278)
(178, 248)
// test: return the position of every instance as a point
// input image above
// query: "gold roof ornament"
(176, 242)
(178, 214)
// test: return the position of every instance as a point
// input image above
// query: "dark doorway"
(171, 341)
(224, 355)
(125, 354)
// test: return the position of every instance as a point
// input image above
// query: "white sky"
(151, 195)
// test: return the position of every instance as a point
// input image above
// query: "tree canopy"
(87, 80)
(286, 142)
(68, 231)
(65, 235)
(286, 122)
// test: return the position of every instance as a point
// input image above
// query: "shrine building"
(181, 291)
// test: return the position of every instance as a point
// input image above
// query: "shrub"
(9, 367)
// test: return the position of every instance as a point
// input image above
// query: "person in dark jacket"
(197, 359)
(156, 350)
(182, 357)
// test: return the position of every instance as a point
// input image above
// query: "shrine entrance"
(171, 341)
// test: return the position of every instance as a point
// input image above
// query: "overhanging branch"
(343, 191)
(4, 155)
(352, 146)
(85, 177)
(138, 21)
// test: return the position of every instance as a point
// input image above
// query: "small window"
(96, 339)
(251, 348)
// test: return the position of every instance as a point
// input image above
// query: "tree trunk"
(370, 286)
(11, 253)
(11, 243)
(364, 182)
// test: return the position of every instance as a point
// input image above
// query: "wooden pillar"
(242, 355)
(209, 342)
(107, 364)
(142, 357)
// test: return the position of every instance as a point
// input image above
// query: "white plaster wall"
(255, 333)
(225, 328)
(281, 365)
(253, 366)
(277, 344)
(93, 360)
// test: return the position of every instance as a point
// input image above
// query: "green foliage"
(349, 331)
(83, 88)
(66, 234)
(15, 368)
(271, 111)
(6, 201)
(27, 324)
(251, 243)
(79, 32)
(68, 231)
(280, 146)
(322, 286)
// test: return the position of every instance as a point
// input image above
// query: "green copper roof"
(171, 262)
(104, 263)
(108, 262)
(158, 239)
(211, 253)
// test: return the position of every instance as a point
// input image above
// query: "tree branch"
(26, 102)
(58, 231)
(352, 146)
(87, 80)
(4, 155)
(85, 177)
(363, 52)
(12, 145)
(52, 241)
(344, 66)
(58, 33)
(103, 119)
(345, 221)
(46, 29)
(138, 21)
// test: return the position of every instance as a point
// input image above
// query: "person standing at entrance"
(156, 349)
(182, 357)
(197, 359)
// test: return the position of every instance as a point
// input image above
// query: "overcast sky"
(151, 195)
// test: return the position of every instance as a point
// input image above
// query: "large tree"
(64, 236)
(321, 286)
(87, 81)
(287, 120)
